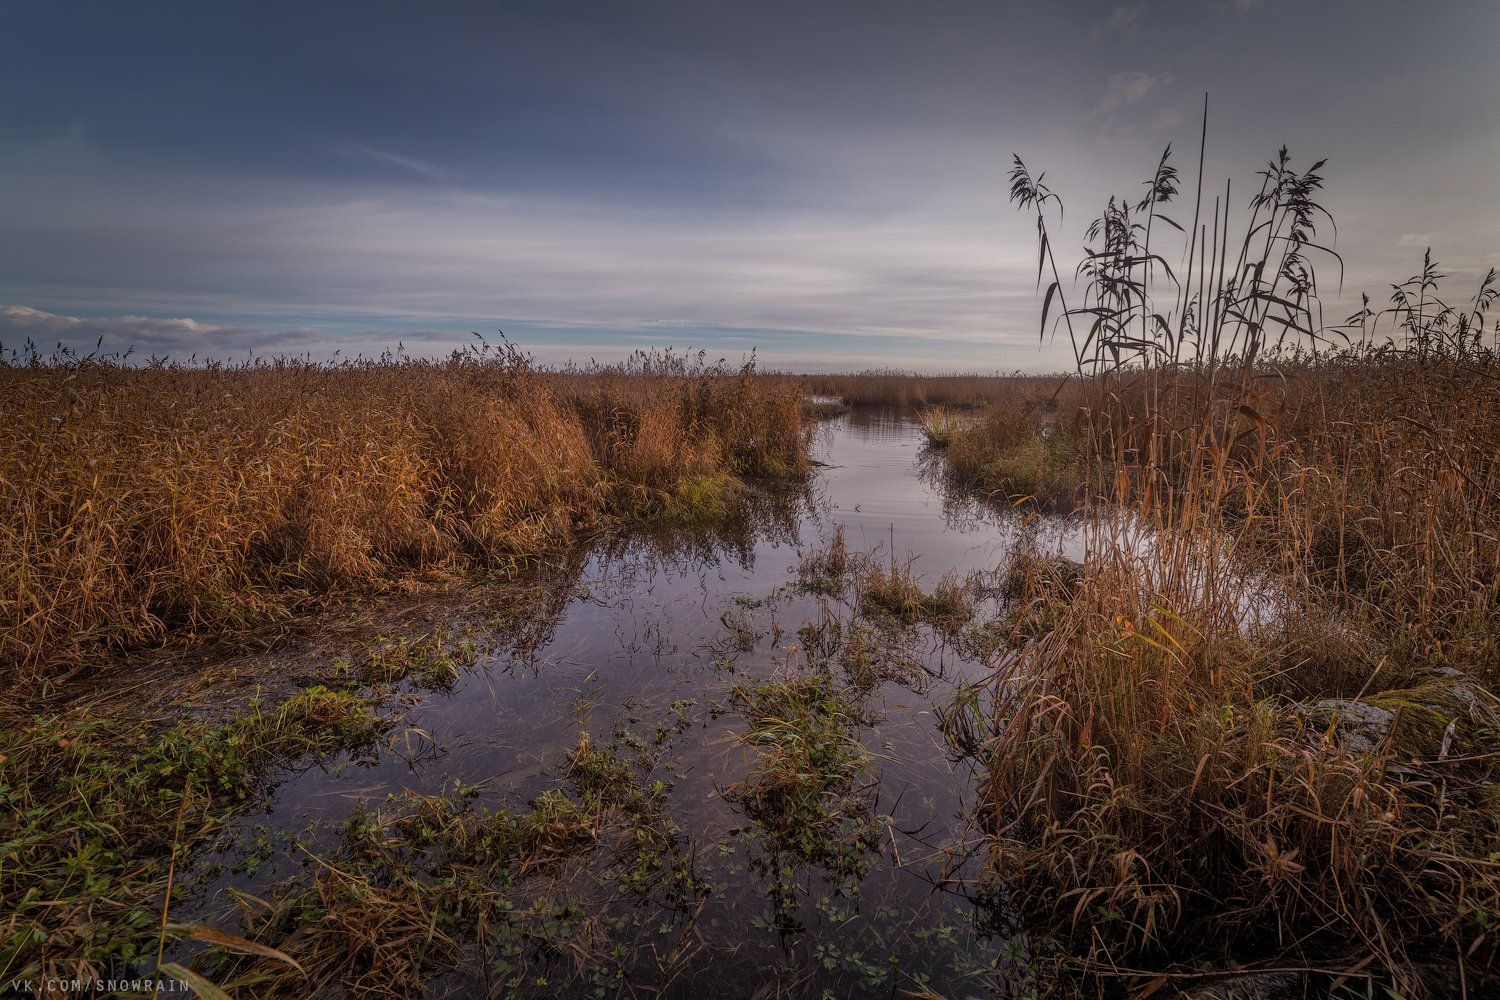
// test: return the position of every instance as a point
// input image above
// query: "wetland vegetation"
(389, 678)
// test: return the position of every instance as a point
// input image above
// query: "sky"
(821, 182)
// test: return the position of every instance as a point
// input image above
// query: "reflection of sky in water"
(643, 630)
(883, 489)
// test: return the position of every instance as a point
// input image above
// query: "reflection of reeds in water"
(1163, 779)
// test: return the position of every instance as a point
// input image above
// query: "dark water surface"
(634, 637)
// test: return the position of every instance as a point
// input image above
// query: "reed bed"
(909, 389)
(138, 502)
(1267, 738)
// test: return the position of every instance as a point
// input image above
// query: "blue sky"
(824, 182)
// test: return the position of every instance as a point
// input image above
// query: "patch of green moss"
(1451, 710)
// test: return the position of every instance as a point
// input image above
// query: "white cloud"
(1167, 118)
(951, 267)
(1122, 19)
(1126, 16)
(179, 336)
(361, 152)
(1131, 87)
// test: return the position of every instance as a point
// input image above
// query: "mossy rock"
(1356, 727)
(1444, 713)
(1424, 713)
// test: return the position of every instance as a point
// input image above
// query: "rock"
(1352, 726)
(1444, 714)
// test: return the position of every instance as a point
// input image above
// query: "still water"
(642, 639)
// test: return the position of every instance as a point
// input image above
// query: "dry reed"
(142, 502)
(1183, 763)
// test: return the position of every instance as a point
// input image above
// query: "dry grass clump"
(1151, 793)
(892, 592)
(1010, 455)
(939, 425)
(136, 502)
(826, 570)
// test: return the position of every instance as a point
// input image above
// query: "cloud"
(179, 336)
(1131, 87)
(1122, 19)
(1165, 119)
(845, 274)
(360, 152)
(1126, 16)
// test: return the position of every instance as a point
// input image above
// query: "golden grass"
(141, 502)
(1371, 483)
(1167, 778)
(1264, 735)
(1152, 794)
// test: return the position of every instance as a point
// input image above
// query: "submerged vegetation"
(810, 789)
(418, 882)
(100, 807)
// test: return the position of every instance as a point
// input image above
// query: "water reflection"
(647, 643)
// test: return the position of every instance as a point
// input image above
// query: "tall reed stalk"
(1175, 767)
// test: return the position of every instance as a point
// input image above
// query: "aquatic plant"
(809, 790)
(100, 805)
(418, 881)
(826, 570)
